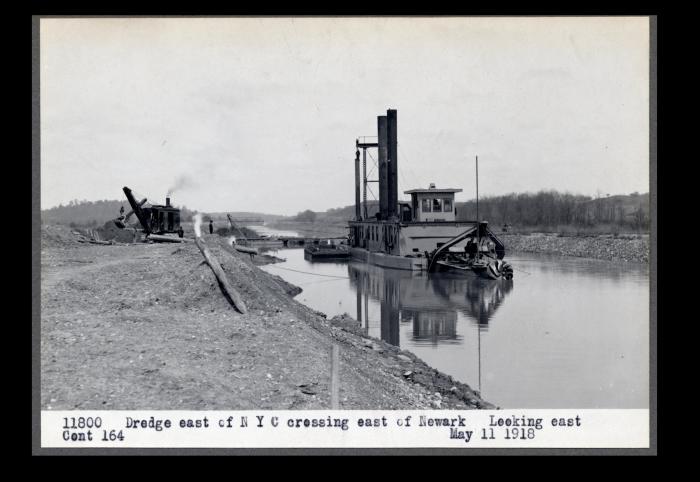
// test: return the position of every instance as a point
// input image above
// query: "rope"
(320, 281)
(308, 272)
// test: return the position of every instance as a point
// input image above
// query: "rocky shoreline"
(442, 389)
(624, 248)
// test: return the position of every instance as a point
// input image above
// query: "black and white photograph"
(326, 215)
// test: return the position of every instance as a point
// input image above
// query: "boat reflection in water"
(430, 303)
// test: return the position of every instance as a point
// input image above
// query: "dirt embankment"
(631, 248)
(145, 326)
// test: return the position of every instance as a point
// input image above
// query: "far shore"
(623, 247)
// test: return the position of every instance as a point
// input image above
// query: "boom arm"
(445, 247)
(484, 231)
(233, 225)
(130, 213)
(136, 207)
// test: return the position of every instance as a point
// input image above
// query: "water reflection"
(484, 298)
(574, 334)
(430, 304)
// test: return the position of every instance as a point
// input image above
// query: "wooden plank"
(244, 249)
(168, 239)
(213, 263)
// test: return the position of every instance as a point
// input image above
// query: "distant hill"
(348, 212)
(96, 213)
(268, 218)
(340, 214)
(541, 209)
(552, 208)
(92, 213)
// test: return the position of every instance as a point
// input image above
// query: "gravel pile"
(57, 236)
(608, 247)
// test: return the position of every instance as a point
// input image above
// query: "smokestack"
(167, 201)
(357, 183)
(383, 168)
(392, 171)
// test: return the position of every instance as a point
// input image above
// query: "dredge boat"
(423, 234)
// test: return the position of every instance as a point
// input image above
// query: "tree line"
(93, 214)
(543, 209)
(552, 208)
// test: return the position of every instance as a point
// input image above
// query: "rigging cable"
(308, 272)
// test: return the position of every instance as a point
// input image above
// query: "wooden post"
(335, 378)
(221, 276)
(167, 239)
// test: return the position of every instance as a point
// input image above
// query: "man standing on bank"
(211, 226)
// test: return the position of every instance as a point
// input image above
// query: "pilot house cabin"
(433, 204)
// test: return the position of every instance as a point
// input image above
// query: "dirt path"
(146, 326)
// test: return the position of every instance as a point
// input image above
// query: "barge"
(326, 252)
(422, 234)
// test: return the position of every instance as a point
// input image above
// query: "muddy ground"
(145, 326)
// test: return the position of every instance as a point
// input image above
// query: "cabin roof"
(433, 190)
(163, 207)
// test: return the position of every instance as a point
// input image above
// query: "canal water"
(564, 333)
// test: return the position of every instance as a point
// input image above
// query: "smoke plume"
(183, 181)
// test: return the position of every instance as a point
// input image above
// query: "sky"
(261, 114)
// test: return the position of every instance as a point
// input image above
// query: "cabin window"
(425, 205)
(447, 205)
(437, 205)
